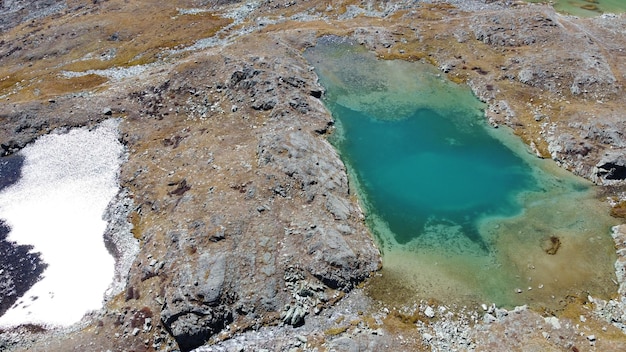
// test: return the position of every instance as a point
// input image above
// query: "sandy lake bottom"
(462, 212)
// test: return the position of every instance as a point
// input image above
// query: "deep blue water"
(425, 170)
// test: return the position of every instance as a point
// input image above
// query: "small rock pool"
(586, 8)
(462, 212)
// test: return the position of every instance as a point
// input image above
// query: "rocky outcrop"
(119, 239)
(268, 232)
(14, 12)
(196, 305)
(595, 152)
(611, 168)
(529, 27)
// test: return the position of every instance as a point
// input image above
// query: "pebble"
(501, 313)
(554, 321)
(488, 318)
(429, 312)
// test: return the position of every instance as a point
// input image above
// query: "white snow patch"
(57, 206)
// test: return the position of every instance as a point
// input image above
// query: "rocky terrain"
(250, 237)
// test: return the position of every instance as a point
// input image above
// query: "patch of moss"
(399, 323)
(619, 210)
(336, 331)
(8, 81)
(62, 85)
(590, 7)
(135, 220)
(457, 78)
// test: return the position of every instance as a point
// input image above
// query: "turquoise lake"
(462, 212)
(424, 170)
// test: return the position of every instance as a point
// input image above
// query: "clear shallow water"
(586, 8)
(462, 212)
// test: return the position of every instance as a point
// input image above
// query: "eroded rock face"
(264, 228)
(611, 168)
(14, 12)
(119, 240)
(195, 307)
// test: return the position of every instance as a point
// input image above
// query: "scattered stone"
(293, 314)
(346, 344)
(501, 313)
(554, 322)
(429, 312)
(488, 318)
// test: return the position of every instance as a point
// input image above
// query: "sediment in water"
(464, 251)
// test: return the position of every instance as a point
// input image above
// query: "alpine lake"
(463, 213)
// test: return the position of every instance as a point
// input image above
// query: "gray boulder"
(611, 168)
(195, 311)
